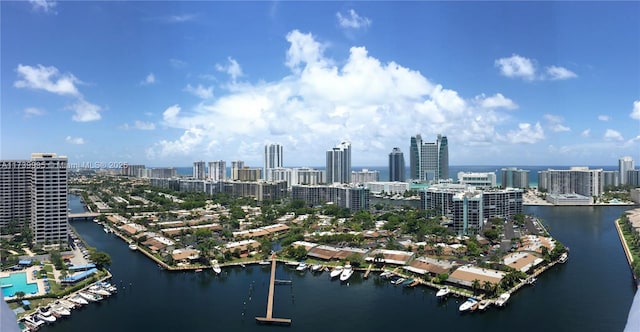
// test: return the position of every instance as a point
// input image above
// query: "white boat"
(301, 267)
(133, 246)
(502, 299)
(34, 322)
(563, 258)
(99, 290)
(67, 304)
(44, 314)
(386, 274)
(468, 304)
(90, 297)
(398, 281)
(336, 271)
(60, 310)
(78, 300)
(316, 267)
(264, 262)
(347, 272)
(484, 304)
(531, 280)
(216, 267)
(442, 292)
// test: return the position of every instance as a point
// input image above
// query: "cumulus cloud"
(322, 101)
(586, 133)
(555, 123)
(74, 140)
(46, 78)
(232, 68)
(635, 113)
(604, 118)
(150, 79)
(200, 91)
(177, 63)
(85, 111)
(352, 20)
(526, 133)
(32, 111)
(46, 6)
(517, 66)
(613, 135)
(142, 125)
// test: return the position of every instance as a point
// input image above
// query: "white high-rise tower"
(273, 156)
(625, 164)
(338, 167)
(217, 170)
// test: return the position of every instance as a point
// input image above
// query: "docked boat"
(442, 292)
(563, 258)
(531, 280)
(264, 262)
(29, 319)
(301, 267)
(502, 299)
(78, 300)
(95, 289)
(398, 280)
(216, 267)
(412, 283)
(292, 263)
(133, 246)
(347, 272)
(316, 268)
(45, 315)
(468, 305)
(386, 274)
(90, 297)
(60, 310)
(484, 304)
(336, 271)
(67, 304)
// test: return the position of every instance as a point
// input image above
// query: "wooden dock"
(366, 273)
(269, 319)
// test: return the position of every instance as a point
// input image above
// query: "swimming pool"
(17, 282)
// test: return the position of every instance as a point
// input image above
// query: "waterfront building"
(635, 195)
(576, 180)
(512, 177)
(198, 170)
(354, 198)
(480, 180)
(34, 192)
(364, 176)
(132, 170)
(261, 191)
(236, 165)
(394, 188)
(396, 165)
(160, 173)
(610, 179)
(467, 208)
(625, 164)
(338, 165)
(633, 178)
(569, 199)
(249, 174)
(309, 176)
(217, 170)
(273, 158)
(191, 185)
(429, 161)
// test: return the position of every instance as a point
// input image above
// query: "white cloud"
(32, 111)
(559, 73)
(555, 123)
(46, 78)
(613, 135)
(74, 140)
(517, 66)
(178, 18)
(635, 113)
(200, 91)
(496, 101)
(304, 49)
(526, 133)
(604, 118)
(586, 133)
(183, 146)
(85, 111)
(352, 20)
(177, 63)
(47, 6)
(142, 125)
(150, 79)
(558, 127)
(233, 68)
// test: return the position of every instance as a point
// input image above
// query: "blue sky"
(168, 83)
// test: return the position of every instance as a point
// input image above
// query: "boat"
(67, 304)
(386, 274)
(412, 284)
(531, 280)
(468, 305)
(336, 271)
(78, 300)
(442, 292)
(60, 310)
(264, 262)
(484, 304)
(105, 229)
(33, 322)
(44, 314)
(301, 267)
(216, 267)
(316, 268)
(95, 289)
(292, 263)
(407, 281)
(133, 246)
(347, 272)
(398, 281)
(198, 270)
(242, 265)
(502, 299)
(563, 258)
(90, 297)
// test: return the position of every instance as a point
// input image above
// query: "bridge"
(82, 216)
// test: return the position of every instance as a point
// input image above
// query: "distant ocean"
(453, 171)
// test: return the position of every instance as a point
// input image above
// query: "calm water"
(591, 292)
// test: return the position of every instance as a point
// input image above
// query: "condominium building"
(198, 170)
(217, 170)
(132, 170)
(34, 192)
(429, 161)
(249, 174)
(160, 173)
(610, 179)
(338, 166)
(273, 158)
(512, 177)
(576, 180)
(476, 179)
(364, 176)
(354, 198)
(236, 165)
(396, 165)
(625, 164)
(394, 187)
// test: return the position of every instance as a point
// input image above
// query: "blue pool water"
(18, 282)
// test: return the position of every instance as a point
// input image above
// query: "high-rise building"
(625, 164)
(429, 160)
(365, 176)
(478, 179)
(273, 156)
(132, 170)
(576, 180)
(34, 192)
(512, 177)
(198, 170)
(396, 165)
(236, 166)
(338, 168)
(217, 170)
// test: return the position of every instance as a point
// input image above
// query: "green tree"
(100, 259)
(56, 259)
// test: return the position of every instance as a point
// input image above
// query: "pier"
(269, 319)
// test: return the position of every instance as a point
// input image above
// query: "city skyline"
(164, 86)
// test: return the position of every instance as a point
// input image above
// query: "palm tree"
(489, 288)
(475, 285)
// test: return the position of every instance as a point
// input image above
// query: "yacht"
(336, 271)
(346, 273)
(45, 315)
(316, 267)
(484, 304)
(468, 305)
(67, 304)
(216, 267)
(563, 258)
(133, 246)
(502, 300)
(78, 300)
(398, 280)
(90, 297)
(531, 280)
(302, 266)
(442, 292)
(95, 289)
(386, 274)
(60, 310)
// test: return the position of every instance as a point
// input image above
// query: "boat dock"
(366, 273)
(269, 319)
